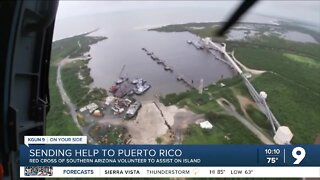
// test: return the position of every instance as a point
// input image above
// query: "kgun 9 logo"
(298, 153)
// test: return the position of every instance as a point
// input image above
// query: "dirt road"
(231, 110)
(66, 99)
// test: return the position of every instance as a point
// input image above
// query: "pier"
(195, 44)
(158, 60)
(180, 78)
(186, 82)
(231, 61)
(212, 51)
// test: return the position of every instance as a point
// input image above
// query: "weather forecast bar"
(157, 172)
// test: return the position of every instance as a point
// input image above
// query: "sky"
(306, 11)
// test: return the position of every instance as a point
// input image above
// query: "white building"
(206, 125)
(91, 107)
(109, 100)
(283, 135)
(263, 94)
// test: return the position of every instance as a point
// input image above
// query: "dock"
(212, 51)
(195, 44)
(168, 68)
(186, 82)
(124, 89)
(158, 60)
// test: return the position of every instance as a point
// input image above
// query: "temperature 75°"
(272, 160)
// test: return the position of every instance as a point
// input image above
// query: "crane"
(122, 69)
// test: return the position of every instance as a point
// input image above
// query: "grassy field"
(275, 61)
(293, 105)
(259, 118)
(306, 60)
(292, 85)
(207, 101)
(292, 82)
(227, 130)
(58, 116)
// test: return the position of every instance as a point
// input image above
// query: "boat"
(141, 88)
(149, 53)
(138, 81)
(120, 81)
(141, 81)
(167, 68)
(160, 62)
(154, 57)
(133, 110)
(179, 78)
(114, 89)
(189, 42)
(144, 49)
(135, 81)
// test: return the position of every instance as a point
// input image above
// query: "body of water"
(127, 33)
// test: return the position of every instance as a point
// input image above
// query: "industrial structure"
(282, 134)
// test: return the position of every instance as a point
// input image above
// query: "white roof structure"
(283, 135)
(91, 107)
(263, 94)
(247, 75)
(206, 125)
(83, 109)
(109, 100)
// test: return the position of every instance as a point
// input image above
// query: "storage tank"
(283, 135)
(263, 94)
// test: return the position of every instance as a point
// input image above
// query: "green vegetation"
(107, 134)
(201, 29)
(292, 82)
(159, 140)
(227, 130)
(185, 27)
(311, 62)
(79, 90)
(294, 106)
(259, 118)
(207, 101)
(81, 120)
(292, 85)
(275, 61)
(58, 115)
(275, 43)
(74, 46)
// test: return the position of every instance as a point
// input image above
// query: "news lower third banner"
(85, 160)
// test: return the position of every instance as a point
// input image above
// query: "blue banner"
(169, 155)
